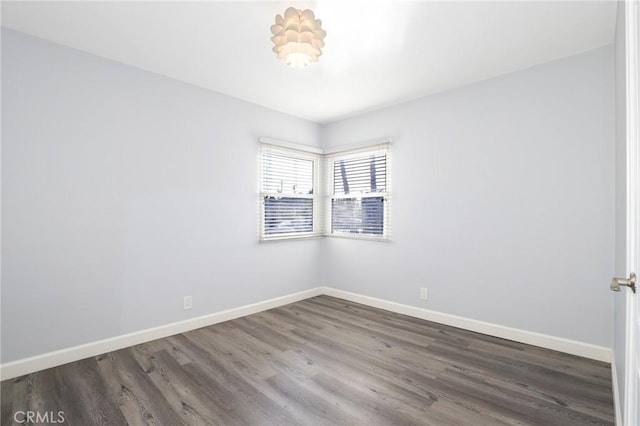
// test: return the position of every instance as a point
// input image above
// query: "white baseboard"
(52, 359)
(617, 408)
(573, 347)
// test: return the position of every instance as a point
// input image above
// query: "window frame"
(299, 152)
(330, 159)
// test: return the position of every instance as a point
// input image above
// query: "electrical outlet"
(424, 294)
(187, 302)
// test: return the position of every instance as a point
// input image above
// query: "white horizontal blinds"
(360, 175)
(288, 191)
(287, 215)
(359, 200)
(363, 216)
(286, 175)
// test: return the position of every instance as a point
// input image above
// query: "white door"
(628, 286)
(631, 415)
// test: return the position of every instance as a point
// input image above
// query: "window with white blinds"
(359, 193)
(288, 193)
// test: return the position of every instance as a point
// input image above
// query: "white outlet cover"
(424, 293)
(187, 302)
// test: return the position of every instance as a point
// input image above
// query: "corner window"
(288, 193)
(359, 193)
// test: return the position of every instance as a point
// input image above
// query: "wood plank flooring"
(321, 361)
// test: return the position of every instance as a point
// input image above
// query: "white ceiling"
(377, 53)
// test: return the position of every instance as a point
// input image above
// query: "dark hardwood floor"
(321, 361)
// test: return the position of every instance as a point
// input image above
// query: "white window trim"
(323, 186)
(382, 143)
(354, 151)
(292, 146)
(291, 150)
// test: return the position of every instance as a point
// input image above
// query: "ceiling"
(376, 54)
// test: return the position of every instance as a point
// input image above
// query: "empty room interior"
(320, 213)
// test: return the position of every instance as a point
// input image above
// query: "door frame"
(632, 75)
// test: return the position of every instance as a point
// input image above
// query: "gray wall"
(619, 326)
(123, 191)
(503, 201)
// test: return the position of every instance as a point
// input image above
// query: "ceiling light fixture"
(298, 37)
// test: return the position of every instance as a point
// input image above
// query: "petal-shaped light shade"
(298, 37)
(291, 13)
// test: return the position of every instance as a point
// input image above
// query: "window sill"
(290, 238)
(320, 236)
(360, 237)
